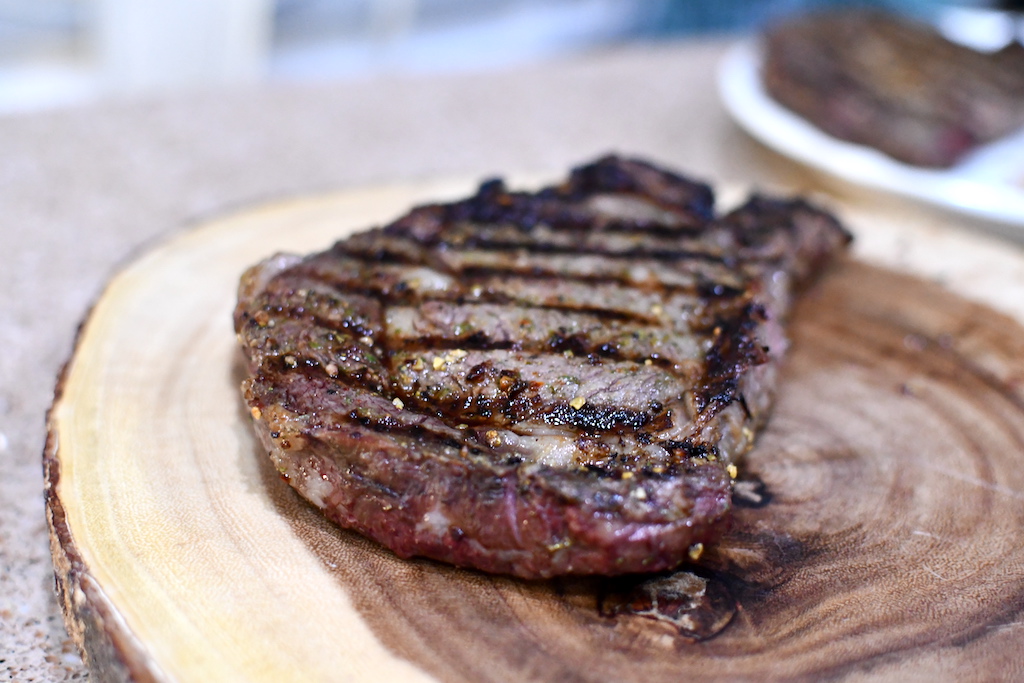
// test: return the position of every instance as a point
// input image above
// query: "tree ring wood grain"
(890, 546)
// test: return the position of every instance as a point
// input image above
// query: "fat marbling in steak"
(548, 383)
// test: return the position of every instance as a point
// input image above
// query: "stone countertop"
(86, 190)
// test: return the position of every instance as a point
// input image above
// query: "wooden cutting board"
(882, 540)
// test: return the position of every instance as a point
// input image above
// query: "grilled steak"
(534, 384)
(878, 80)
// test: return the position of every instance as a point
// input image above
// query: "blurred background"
(59, 52)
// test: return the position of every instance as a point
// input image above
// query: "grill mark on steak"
(351, 362)
(693, 287)
(565, 377)
(517, 386)
(398, 285)
(446, 324)
(322, 407)
(571, 260)
(661, 273)
(353, 411)
(290, 297)
(543, 240)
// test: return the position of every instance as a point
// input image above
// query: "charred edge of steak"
(734, 349)
(518, 411)
(685, 204)
(791, 235)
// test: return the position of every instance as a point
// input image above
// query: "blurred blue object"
(681, 17)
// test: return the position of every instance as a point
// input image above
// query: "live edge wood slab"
(882, 541)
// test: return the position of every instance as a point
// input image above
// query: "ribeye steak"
(558, 382)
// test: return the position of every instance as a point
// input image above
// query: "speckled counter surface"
(83, 191)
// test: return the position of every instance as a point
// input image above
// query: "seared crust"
(534, 384)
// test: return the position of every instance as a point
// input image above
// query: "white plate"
(988, 183)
